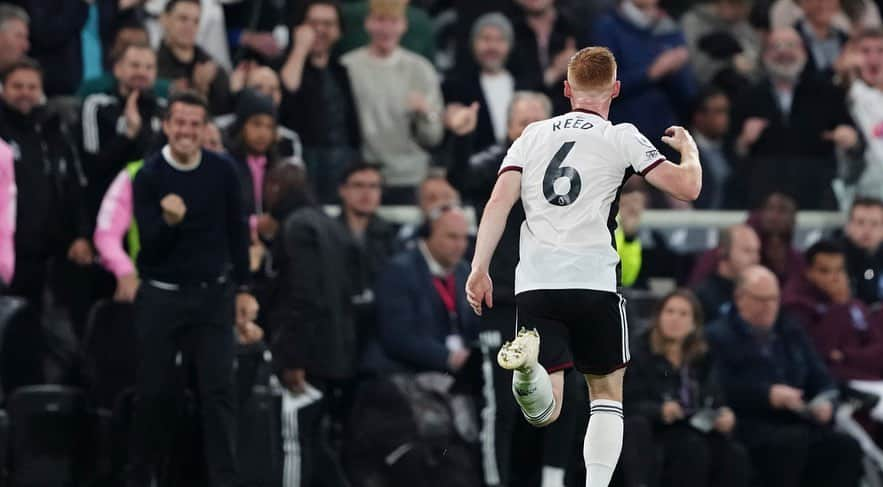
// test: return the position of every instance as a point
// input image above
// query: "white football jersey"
(573, 168)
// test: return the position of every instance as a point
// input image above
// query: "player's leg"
(535, 390)
(603, 442)
(601, 352)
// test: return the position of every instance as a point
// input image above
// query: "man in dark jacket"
(122, 127)
(863, 243)
(790, 127)
(423, 319)
(315, 83)
(839, 325)
(187, 64)
(51, 218)
(780, 391)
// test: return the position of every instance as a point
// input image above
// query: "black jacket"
(651, 380)
(106, 149)
(790, 153)
(220, 99)
(50, 181)
(311, 311)
(715, 293)
(865, 272)
(305, 110)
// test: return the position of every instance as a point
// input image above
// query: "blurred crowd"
(769, 372)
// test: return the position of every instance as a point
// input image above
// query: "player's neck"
(601, 110)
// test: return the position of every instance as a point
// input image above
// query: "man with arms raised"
(568, 172)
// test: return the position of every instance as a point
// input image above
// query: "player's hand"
(725, 421)
(479, 289)
(679, 139)
(786, 397)
(173, 209)
(671, 412)
(127, 287)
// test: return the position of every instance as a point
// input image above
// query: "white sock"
(532, 389)
(603, 442)
(552, 477)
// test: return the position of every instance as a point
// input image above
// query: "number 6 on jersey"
(561, 185)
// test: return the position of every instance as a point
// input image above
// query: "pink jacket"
(7, 213)
(114, 219)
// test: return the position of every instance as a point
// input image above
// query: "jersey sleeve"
(638, 151)
(516, 157)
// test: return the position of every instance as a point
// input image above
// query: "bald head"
(448, 236)
(265, 81)
(757, 296)
(739, 249)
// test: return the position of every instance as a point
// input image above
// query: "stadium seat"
(23, 346)
(52, 432)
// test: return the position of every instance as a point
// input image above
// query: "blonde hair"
(391, 8)
(592, 69)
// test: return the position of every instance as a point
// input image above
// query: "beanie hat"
(251, 103)
(493, 19)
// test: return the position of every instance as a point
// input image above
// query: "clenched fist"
(173, 209)
(680, 140)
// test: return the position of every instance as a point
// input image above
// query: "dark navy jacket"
(412, 320)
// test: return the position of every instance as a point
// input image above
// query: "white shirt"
(573, 168)
(498, 91)
(866, 107)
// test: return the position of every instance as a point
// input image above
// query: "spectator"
(187, 64)
(822, 40)
(632, 203)
(253, 148)
(434, 191)
(737, 250)
(360, 191)
(424, 321)
(677, 405)
(50, 220)
(316, 83)
(862, 14)
(657, 83)
(489, 85)
(55, 30)
(546, 41)
(116, 234)
(780, 391)
(398, 101)
(863, 242)
(265, 81)
(863, 72)
(774, 223)
(790, 129)
(14, 43)
(710, 124)
(130, 33)
(193, 231)
(7, 219)
(839, 325)
(212, 34)
(724, 46)
(121, 127)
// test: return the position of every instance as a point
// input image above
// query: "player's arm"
(682, 181)
(506, 192)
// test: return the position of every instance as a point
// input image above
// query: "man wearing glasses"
(780, 390)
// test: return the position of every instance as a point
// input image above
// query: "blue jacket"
(412, 320)
(650, 106)
(748, 369)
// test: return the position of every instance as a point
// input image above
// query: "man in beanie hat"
(484, 86)
(398, 101)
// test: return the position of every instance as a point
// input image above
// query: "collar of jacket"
(40, 114)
